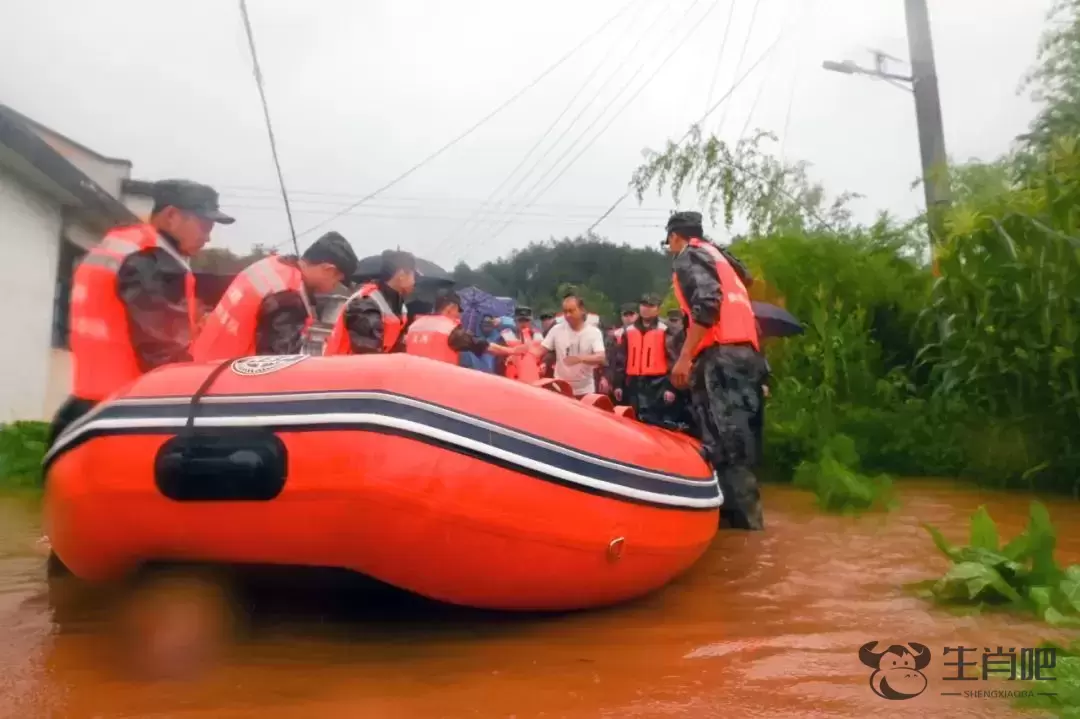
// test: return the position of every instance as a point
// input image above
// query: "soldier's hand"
(765, 390)
(669, 397)
(618, 395)
(680, 373)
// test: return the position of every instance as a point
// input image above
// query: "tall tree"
(609, 274)
(1055, 80)
(742, 181)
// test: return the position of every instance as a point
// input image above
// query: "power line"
(604, 216)
(740, 168)
(269, 127)
(558, 63)
(533, 219)
(742, 56)
(677, 47)
(720, 54)
(331, 206)
(765, 80)
(573, 122)
(735, 86)
(701, 121)
(464, 226)
(444, 212)
(272, 194)
(794, 84)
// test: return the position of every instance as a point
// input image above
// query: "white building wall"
(29, 241)
(141, 205)
(107, 173)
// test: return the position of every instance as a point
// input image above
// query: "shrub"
(22, 448)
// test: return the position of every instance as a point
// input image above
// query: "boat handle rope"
(204, 388)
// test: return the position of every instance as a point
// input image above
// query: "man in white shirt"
(578, 348)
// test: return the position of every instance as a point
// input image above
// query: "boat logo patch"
(252, 366)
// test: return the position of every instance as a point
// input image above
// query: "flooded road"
(765, 625)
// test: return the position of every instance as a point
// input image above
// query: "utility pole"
(928, 117)
(924, 86)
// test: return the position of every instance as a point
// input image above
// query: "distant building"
(57, 199)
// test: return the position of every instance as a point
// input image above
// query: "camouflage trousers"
(646, 396)
(725, 389)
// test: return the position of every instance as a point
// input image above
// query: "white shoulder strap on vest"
(384, 307)
(171, 251)
(381, 303)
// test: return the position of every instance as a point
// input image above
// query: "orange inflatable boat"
(454, 484)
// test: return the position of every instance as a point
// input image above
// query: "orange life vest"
(523, 368)
(103, 356)
(737, 324)
(646, 352)
(429, 336)
(510, 336)
(338, 342)
(514, 368)
(230, 329)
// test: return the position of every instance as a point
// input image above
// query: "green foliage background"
(971, 372)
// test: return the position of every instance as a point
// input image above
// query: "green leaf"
(998, 561)
(941, 543)
(1070, 588)
(1040, 598)
(1044, 570)
(1057, 619)
(1019, 548)
(984, 532)
(1027, 475)
(971, 581)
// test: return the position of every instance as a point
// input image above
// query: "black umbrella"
(428, 273)
(775, 321)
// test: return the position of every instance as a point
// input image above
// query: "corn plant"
(1006, 311)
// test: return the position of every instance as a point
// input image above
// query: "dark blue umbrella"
(774, 321)
(477, 304)
(428, 274)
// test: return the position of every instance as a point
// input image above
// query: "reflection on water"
(766, 625)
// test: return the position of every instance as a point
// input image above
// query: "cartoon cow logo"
(897, 670)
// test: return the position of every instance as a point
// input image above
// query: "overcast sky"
(362, 90)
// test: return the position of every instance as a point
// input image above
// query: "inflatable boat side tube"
(389, 413)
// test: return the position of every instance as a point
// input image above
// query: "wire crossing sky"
(389, 118)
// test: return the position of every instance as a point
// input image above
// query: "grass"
(22, 447)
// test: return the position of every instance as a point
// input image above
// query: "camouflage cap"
(683, 221)
(199, 200)
(333, 249)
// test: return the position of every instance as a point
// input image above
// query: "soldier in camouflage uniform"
(680, 414)
(724, 378)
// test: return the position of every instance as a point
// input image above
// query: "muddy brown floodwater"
(765, 625)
